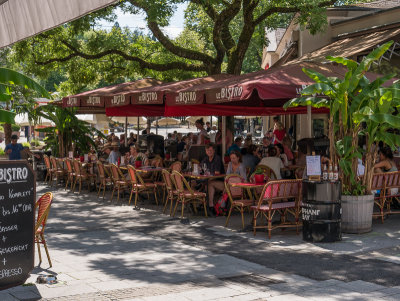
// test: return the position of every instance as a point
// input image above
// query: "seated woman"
(133, 155)
(235, 167)
(386, 163)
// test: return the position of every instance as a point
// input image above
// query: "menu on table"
(313, 165)
(17, 222)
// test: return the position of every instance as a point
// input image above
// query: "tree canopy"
(219, 36)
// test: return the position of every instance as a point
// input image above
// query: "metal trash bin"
(321, 211)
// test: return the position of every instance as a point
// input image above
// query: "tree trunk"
(7, 132)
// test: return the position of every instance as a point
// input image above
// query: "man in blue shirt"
(14, 149)
(235, 146)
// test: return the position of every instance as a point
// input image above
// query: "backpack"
(220, 206)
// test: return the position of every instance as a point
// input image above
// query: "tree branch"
(292, 9)
(142, 63)
(178, 50)
(167, 43)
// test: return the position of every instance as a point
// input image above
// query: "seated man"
(273, 162)
(235, 146)
(113, 154)
(215, 166)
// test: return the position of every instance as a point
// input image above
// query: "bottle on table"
(325, 173)
(336, 173)
(330, 174)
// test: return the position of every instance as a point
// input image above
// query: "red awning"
(224, 110)
(155, 94)
(275, 84)
(107, 96)
(136, 110)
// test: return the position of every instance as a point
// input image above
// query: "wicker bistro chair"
(269, 174)
(392, 189)
(275, 198)
(186, 193)
(236, 197)
(58, 171)
(138, 185)
(119, 181)
(104, 178)
(70, 173)
(177, 165)
(81, 175)
(172, 193)
(50, 170)
(378, 183)
(43, 208)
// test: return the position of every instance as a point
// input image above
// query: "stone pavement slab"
(107, 251)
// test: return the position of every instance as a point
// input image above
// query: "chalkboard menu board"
(17, 219)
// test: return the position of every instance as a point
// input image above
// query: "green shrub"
(2, 153)
(15, 128)
(26, 144)
(35, 142)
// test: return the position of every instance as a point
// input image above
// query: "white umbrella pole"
(137, 140)
(157, 126)
(223, 135)
(126, 131)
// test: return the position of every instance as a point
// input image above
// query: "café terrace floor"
(104, 251)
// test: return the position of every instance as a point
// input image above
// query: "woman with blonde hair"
(279, 130)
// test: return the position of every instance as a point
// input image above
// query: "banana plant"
(11, 82)
(358, 108)
(68, 132)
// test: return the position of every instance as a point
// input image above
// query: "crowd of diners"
(275, 152)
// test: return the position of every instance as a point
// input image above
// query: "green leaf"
(350, 64)
(15, 78)
(391, 120)
(7, 116)
(316, 102)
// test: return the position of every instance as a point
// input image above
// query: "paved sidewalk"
(104, 251)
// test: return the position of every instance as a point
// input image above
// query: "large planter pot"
(357, 213)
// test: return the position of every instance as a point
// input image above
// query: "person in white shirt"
(213, 134)
(114, 154)
(273, 162)
(202, 134)
(281, 154)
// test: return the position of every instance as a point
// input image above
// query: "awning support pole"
(223, 136)
(138, 134)
(126, 131)
(309, 122)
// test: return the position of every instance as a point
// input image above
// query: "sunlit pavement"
(104, 251)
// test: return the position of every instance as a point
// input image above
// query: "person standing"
(14, 149)
(202, 134)
(279, 131)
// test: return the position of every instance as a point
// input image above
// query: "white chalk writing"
(9, 175)
(5, 273)
(13, 249)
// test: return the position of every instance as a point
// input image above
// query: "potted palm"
(259, 176)
(358, 108)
